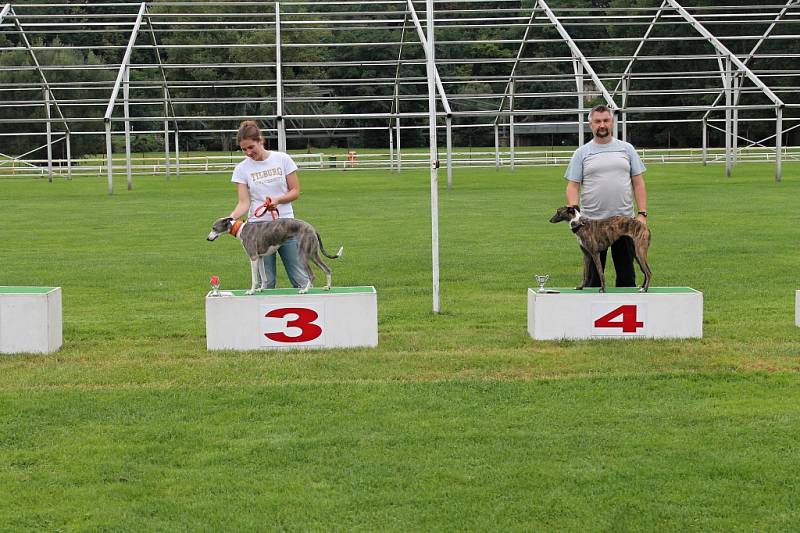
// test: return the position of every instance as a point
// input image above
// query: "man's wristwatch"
(643, 213)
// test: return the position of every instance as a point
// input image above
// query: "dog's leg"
(586, 262)
(253, 276)
(262, 273)
(309, 283)
(325, 268)
(641, 258)
(599, 266)
(310, 272)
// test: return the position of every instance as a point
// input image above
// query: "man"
(604, 177)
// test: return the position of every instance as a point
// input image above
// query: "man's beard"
(602, 132)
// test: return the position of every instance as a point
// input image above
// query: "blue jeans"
(290, 255)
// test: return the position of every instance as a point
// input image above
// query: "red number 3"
(304, 322)
(629, 324)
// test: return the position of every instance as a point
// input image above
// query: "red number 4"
(304, 322)
(629, 324)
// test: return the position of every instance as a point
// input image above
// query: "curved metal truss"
(328, 68)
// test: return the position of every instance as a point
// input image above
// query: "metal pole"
(391, 148)
(399, 155)
(177, 154)
(434, 156)
(422, 39)
(279, 81)
(578, 68)
(69, 155)
(166, 132)
(511, 124)
(496, 146)
(705, 142)
(735, 121)
(449, 123)
(109, 165)
(126, 94)
(728, 102)
(49, 130)
(125, 62)
(396, 94)
(778, 143)
(624, 113)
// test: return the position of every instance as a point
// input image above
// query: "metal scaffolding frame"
(327, 68)
(516, 92)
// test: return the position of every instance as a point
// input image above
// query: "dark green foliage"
(379, 33)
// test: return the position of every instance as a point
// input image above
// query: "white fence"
(354, 160)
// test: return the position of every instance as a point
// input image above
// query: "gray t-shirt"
(604, 172)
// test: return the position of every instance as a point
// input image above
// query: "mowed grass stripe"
(705, 452)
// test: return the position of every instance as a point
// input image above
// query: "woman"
(267, 184)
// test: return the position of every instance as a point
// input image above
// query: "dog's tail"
(326, 254)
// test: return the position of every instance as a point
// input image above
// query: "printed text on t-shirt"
(266, 175)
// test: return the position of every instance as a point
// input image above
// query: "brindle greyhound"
(594, 236)
(264, 238)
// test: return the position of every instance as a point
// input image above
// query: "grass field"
(457, 421)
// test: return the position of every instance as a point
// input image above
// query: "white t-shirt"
(266, 179)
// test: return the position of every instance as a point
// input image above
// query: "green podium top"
(296, 292)
(26, 290)
(621, 290)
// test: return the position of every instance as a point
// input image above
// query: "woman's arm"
(293, 183)
(243, 205)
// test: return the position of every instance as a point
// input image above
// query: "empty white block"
(30, 319)
(797, 308)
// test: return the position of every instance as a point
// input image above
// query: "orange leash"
(266, 206)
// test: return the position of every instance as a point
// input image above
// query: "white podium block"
(797, 309)
(343, 317)
(30, 319)
(663, 312)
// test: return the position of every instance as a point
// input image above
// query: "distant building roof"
(545, 127)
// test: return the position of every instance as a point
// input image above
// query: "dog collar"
(236, 228)
(576, 227)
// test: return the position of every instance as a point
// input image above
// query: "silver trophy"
(541, 279)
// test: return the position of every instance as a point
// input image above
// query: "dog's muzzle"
(212, 236)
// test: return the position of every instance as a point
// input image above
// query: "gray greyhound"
(264, 238)
(594, 236)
